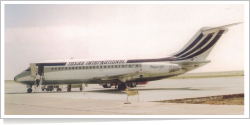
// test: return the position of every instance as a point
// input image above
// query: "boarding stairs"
(38, 88)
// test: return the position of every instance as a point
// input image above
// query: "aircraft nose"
(16, 79)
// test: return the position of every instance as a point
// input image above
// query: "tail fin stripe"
(217, 37)
(191, 45)
(209, 36)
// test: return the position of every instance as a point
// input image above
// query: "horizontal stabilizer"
(214, 29)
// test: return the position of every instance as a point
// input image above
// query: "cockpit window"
(28, 69)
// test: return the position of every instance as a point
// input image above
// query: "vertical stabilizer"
(201, 43)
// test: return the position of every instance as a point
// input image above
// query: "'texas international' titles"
(96, 62)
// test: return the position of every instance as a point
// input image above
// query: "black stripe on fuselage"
(191, 45)
(216, 38)
(208, 37)
(51, 64)
(152, 60)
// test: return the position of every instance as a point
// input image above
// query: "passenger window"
(87, 67)
(65, 68)
(97, 67)
(129, 66)
(115, 66)
(111, 66)
(76, 67)
(122, 66)
(55, 68)
(104, 67)
(72, 68)
(136, 65)
(83, 67)
(79, 67)
(90, 67)
(93, 67)
(59, 68)
(69, 68)
(52, 68)
(108, 66)
(62, 68)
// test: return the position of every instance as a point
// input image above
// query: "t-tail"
(201, 44)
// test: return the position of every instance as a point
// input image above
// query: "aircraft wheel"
(133, 84)
(104, 86)
(109, 85)
(123, 86)
(29, 90)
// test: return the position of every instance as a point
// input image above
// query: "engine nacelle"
(174, 68)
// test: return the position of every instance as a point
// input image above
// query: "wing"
(123, 77)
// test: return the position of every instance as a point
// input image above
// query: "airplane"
(125, 72)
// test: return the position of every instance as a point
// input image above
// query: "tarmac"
(96, 100)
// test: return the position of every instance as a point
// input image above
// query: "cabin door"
(41, 73)
(41, 69)
(33, 69)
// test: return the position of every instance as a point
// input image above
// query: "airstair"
(40, 70)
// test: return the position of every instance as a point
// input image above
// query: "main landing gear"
(108, 85)
(122, 86)
(133, 84)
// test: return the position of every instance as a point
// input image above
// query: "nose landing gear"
(29, 90)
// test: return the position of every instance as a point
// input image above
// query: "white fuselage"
(96, 72)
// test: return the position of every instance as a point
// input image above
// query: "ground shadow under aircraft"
(112, 90)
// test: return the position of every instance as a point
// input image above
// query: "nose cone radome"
(16, 79)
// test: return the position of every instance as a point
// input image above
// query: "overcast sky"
(35, 33)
